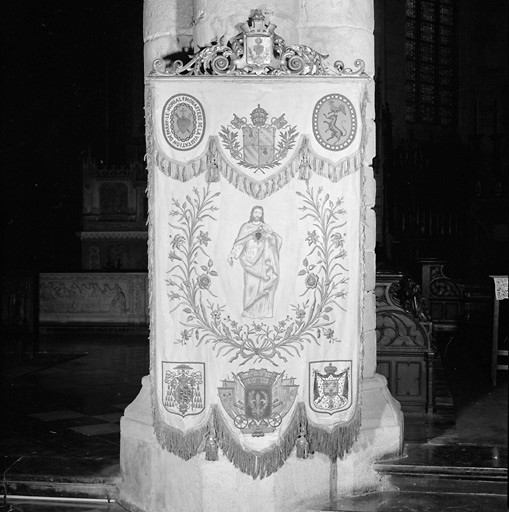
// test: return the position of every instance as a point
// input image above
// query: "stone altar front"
(89, 298)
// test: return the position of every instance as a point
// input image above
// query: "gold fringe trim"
(182, 444)
(214, 164)
(266, 462)
(335, 443)
(338, 441)
(149, 138)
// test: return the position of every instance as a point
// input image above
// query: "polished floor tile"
(112, 417)
(418, 502)
(56, 415)
(95, 430)
(463, 456)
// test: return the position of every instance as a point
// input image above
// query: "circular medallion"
(183, 122)
(334, 122)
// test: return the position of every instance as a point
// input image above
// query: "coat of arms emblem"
(259, 150)
(183, 388)
(257, 400)
(183, 122)
(329, 386)
(334, 122)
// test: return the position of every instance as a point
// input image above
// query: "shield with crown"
(259, 150)
(329, 388)
(258, 399)
(259, 139)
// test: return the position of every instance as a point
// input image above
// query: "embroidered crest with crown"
(258, 44)
(259, 150)
(330, 391)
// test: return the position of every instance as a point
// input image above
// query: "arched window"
(430, 61)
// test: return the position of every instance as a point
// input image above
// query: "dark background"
(72, 82)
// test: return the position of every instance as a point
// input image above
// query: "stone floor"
(60, 434)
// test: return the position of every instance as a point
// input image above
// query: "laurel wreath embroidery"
(231, 143)
(191, 272)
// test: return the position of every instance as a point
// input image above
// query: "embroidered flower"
(185, 336)
(300, 314)
(216, 315)
(329, 334)
(312, 237)
(337, 240)
(203, 238)
(204, 281)
(177, 242)
(311, 280)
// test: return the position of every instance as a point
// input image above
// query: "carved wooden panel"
(409, 378)
(404, 351)
(444, 295)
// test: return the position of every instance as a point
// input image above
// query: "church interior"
(73, 296)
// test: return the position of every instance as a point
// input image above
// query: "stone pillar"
(155, 480)
(167, 27)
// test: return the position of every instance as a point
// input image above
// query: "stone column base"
(154, 480)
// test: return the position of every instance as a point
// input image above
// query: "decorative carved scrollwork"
(399, 329)
(441, 285)
(401, 315)
(444, 287)
(257, 50)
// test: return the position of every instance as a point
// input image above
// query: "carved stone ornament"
(257, 50)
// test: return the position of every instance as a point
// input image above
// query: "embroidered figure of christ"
(257, 248)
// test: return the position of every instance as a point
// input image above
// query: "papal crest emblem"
(183, 388)
(257, 400)
(264, 144)
(334, 122)
(183, 121)
(329, 386)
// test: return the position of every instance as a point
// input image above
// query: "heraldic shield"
(259, 145)
(257, 400)
(183, 388)
(329, 386)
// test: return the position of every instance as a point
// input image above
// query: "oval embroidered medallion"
(334, 122)
(183, 122)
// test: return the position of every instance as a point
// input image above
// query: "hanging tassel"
(302, 444)
(211, 448)
(212, 174)
(305, 164)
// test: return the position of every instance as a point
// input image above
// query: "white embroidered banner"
(255, 199)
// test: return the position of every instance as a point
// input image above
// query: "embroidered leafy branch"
(191, 268)
(231, 142)
(286, 142)
(325, 280)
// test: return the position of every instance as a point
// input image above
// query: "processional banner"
(256, 264)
